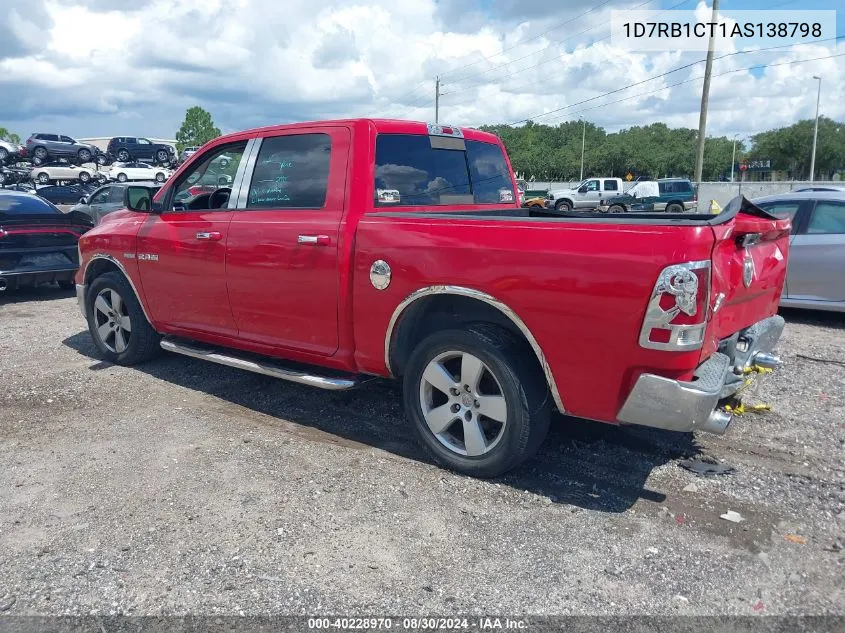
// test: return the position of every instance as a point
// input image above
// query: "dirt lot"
(186, 487)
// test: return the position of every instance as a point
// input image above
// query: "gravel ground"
(185, 487)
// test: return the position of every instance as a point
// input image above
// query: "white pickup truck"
(586, 195)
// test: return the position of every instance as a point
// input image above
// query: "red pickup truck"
(328, 253)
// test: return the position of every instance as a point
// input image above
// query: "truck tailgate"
(748, 272)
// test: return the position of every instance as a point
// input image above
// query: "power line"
(691, 79)
(668, 72)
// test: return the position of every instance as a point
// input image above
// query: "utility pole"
(437, 100)
(733, 159)
(815, 130)
(705, 96)
(583, 139)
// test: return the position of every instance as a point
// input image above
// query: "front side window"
(291, 172)
(101, 197)
(409, 172)
(592, 185)
(116, 194)
(143, 141)
(214, 170)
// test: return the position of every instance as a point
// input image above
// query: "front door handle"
(314, 240)
(212, 236)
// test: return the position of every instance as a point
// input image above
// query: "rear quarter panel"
(581, 289)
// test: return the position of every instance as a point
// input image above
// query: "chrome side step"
(265, 366)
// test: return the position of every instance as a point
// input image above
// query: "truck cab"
(327, 253)
(587, 195)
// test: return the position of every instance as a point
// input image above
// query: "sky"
(121, 67)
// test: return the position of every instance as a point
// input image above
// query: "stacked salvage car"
(48, 159)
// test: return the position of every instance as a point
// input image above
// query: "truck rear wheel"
(674, 207)
(478, 403)
(117, 323)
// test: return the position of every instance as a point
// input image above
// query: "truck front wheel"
(563, 205)
(117, 323)
(477, 401)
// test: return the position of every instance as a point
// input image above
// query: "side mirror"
(138, 198)
(83, 200)
(582, 189)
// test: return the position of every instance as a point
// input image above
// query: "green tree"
(197, 128)
(790, 148)
(6, 135)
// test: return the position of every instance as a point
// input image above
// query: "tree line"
(546, 152)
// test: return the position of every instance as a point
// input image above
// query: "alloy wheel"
(112, 322)
(463, 403)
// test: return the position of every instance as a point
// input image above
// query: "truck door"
(610, 188)
(282, 266)
(182, 250)
(590, 198)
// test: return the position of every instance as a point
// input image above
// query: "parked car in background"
(134, 148)
(38, 243)
(672, 195)
(537, 202)
(187, 153)
(815, 275)
(56, 171)
(138, 171)
(819, 188)
(106, 199)
(10, 152)
(13, 174)
(42, 147)
(586, 195)
(65, 194)
(491, 316)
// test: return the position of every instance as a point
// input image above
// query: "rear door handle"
(314, 240)
(212, 236)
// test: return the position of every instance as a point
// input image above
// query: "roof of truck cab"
(384, 126)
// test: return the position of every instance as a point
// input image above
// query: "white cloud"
(100, 71)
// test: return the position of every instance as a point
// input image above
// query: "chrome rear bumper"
(676, 405)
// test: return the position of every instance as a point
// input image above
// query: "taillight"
(676, 317)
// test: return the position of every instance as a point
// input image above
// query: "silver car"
(106, 199)
(815, 275)
(9, 150)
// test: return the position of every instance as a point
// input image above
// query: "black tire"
(102, 160)
(4, 154)
(674, 207)
(40, 153)
(616, 208)
(563, 206)
(84, 177)
(143, 341)
(528, 402)
(122, 178)
(123, 156)
(43, 178)
(160, 177)
(161, 156)
(84, 156)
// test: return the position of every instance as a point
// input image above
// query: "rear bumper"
(14, 279)
(676, 405)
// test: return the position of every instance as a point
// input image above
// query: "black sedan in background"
(65, 194)
(38, 243)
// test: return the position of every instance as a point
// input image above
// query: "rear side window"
(611, 185)
(828, 219)
(412, 170)
(25, 204)
(491, 182)
(683, 187)
(291, 172)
